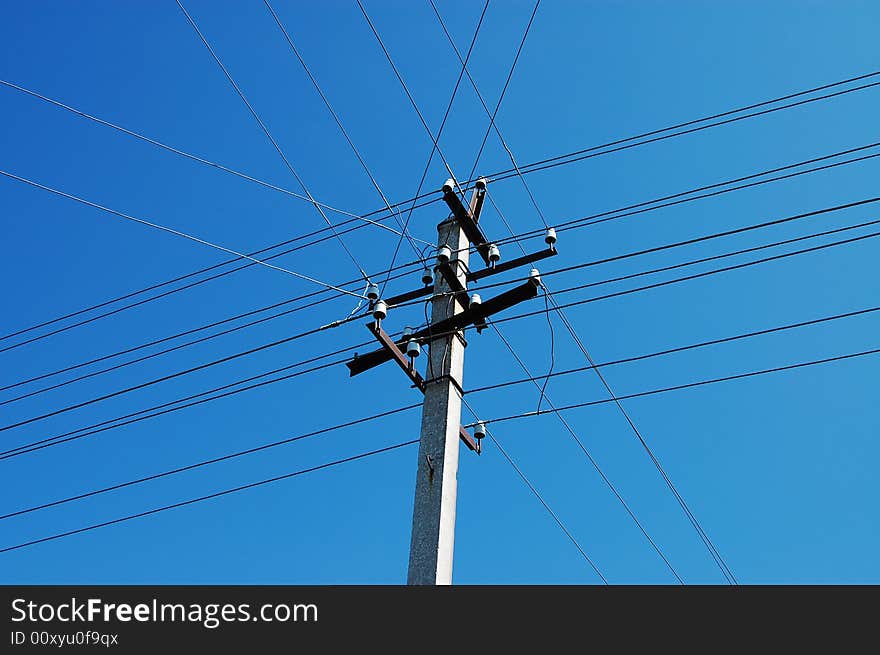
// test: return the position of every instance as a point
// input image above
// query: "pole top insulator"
(494, 254)
(380, 310)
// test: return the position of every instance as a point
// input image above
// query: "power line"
(194, 284)
(208, 462)
(272, 139)
(171, 376)
(218, 494)
(166, 283)
(169, 407)
(679, 349)
(165, 146)
(489, 114)
(405, 88)
(577, 156)
(170, 230)
(434, 140)
(525, 235)
(494, 175)
(643, 207)
(487, 286)
(540, 498)
(504, 88)
(592, 299)
(689, 385)
(342, 129)
(170, 338)
(694, 276)
(592, 460)
(704, 537)
(692, 241)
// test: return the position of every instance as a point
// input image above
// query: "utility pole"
(433, 527)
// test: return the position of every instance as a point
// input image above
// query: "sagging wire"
(552, 346)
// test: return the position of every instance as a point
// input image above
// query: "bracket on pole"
(476, 275)
(468, 217)
(396, 353)
(473, 315)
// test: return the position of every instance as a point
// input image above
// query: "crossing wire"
(592, 460)
(314, 233)
(537, 494)
(272, 140)
(556, 308)
(338, 121)
(436, 140)
(170, 230)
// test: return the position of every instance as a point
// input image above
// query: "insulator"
(372, 291)
(427, 276)
(494, 254)
(444, 255)
(449, 186)
(476, 300)
(481, 183)
(380, 310)
(407, 331)
(535, 277)
(413, 349)
(550, 236)
(479, 430)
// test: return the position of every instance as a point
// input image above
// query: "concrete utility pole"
(433, 528)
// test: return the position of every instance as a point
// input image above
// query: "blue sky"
(779, 469)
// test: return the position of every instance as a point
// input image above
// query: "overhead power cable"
(200, 499)
(689, 385)
(435, 140)
(525, 235)
(176, 374)
(175, 232)
(693, 241)
(693, 276)
(405, 87)
(499, 173)
(569, 290)
(208, 462)
(537, 494)
(175, 405)
(605, 479)
(492, 123)
(336, 119)
(605, 149)
(504, 88)
(272, 140)
(172, 149)
(679, 349)
(714, 553)
(486, 286)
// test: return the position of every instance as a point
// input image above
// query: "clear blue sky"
(780, 470)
